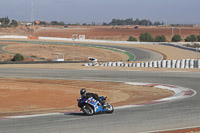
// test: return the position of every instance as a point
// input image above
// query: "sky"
(99, 11)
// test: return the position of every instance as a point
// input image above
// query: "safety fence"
(185, 63)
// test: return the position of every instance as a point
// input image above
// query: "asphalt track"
(176, 114)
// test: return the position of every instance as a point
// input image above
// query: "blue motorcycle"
(90, 106)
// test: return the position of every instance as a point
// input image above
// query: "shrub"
(131, 38)
(160, 38)
(18, 57)
(198, 38)
(196, 45)
(146, 37)
(191, 38)
(176, 38)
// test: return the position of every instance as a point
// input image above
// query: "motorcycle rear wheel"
(87, 109)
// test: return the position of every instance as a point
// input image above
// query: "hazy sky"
(74, 11)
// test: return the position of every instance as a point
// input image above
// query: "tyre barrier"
(185, 63)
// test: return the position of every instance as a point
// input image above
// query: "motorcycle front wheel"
(109, 108)
(87, 109)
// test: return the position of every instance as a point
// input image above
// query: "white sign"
(82, 37)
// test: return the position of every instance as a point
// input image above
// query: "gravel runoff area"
(35, 96)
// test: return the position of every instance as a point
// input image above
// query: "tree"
(145, 22)
(191, 38)
(14, 23)
(84, 24)
(43, 23)
(157, 23)
(146, 37)
(18, 57)
(105, 23)
(54, 22)
(198, 38)
(176, 38)
(131, 38)
(61, 23)
(160, 38)
(5, 21)
(130, 21)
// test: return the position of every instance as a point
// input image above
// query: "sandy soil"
(29, 96)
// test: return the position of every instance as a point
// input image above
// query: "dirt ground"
(115, 32)
(29, 96)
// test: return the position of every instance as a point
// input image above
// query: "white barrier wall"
(185, 63)
(15, 37)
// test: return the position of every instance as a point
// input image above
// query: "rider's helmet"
(83, 91)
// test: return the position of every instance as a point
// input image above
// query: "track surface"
(176, 114)
(140, 54)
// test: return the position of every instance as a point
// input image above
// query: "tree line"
(6, 22)
(147, 37)
(130, 21)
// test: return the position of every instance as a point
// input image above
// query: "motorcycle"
(90, 106)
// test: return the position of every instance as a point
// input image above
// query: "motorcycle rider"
(84, 94)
